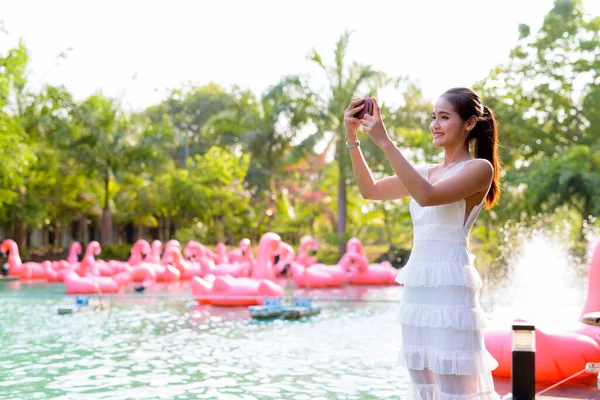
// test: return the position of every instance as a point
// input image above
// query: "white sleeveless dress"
(441, 318)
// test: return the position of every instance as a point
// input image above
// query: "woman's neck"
(454, 155)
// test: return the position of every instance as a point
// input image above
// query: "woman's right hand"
(352, 124)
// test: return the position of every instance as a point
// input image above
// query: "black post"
(523, 361)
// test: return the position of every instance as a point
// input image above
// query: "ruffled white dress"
(441, 318)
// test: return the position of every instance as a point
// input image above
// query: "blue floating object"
(272, 302)
(300, 302)
(273, 308)
(82, 301)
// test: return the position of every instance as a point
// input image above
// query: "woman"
(440, 315)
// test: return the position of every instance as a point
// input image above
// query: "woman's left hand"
(373, 125)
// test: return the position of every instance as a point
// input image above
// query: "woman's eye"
(444, 117)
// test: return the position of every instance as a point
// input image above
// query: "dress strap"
(454, 170)
(423, 170)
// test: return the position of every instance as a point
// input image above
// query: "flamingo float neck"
(592, 300)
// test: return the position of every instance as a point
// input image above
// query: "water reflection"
(173, 348)
(162, 344)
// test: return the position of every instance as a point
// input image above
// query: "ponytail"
(485, 138)
(484, 135)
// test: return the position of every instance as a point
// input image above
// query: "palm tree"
(268, 126)
(344, 83)
(108, 143)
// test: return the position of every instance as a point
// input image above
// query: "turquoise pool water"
(163, 345)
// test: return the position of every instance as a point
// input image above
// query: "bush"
(395, 255)
(327, 254)
(118, 252)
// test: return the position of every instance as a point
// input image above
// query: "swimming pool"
(162, 345)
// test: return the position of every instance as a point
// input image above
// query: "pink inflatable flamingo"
(238, 255)
(90, 266)
(156, 249)
(144, 272)
(559, 354)
(71, 262)
(200, 250)
(286, 257)
(74, 252)
(222, 254)
(140, 270)
(203, 256)
(62, 268)
(229, 291)
(247, 261)
(76, 284)
(592, 301)
(268, 246)
(236, 270)
(322, 275)
(166, 271)
(139, 251)
(306, 277)
(369, 274)
(88, 282)
(373, 274)
(28, 270)
(187, 269)
(196, 252)
(51, 273)
(340, 273)
(167, 254)
(303, 257)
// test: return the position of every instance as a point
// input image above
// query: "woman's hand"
(373, 125)
(352, 124)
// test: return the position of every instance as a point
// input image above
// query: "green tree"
(187, 111)
(345, 81)
(547, 101)
(212, 192)
(110, 144)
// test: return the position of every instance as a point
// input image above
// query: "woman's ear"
(471, 122)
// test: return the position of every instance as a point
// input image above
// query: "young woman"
(440, 316)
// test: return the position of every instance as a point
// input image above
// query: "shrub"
(395, 255)
(118, 252)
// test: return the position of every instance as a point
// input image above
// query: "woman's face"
(447, 128)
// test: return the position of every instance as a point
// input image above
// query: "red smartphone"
(367, 109)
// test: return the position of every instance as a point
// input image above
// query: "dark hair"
(467, 104)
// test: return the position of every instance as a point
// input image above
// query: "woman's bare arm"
(473, 178)
(388, 188)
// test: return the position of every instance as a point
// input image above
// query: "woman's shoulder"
(479, 163)
(471, 167)
(423, 168)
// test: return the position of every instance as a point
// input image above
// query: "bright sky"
(253, 43)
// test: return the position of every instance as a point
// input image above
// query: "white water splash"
(543, 286)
